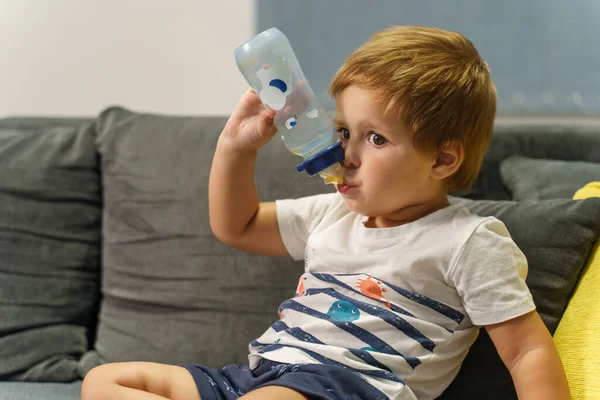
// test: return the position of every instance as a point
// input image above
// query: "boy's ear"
(448, 160)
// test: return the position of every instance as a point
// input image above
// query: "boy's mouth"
(345, 188)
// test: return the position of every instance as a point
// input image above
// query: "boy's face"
(385, 174)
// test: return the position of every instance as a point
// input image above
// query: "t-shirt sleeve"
(489, 274)
(297, 218)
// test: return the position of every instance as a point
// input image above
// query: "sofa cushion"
(171, 291)
(37, 391)
(551, 138)
(27, 123)
(538, 179)
(557, 237)
(50, 210)
(576, 337)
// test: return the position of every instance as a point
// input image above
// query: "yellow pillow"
(592, 189)
(577, 337)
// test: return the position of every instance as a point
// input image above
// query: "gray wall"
(544, 54)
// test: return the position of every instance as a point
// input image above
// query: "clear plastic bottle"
(269, 64)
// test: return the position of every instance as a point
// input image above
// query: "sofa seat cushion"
(37, 391)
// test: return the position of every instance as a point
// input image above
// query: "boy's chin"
(368, 210)
(357, 207)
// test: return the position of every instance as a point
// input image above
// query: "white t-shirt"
(400, 306)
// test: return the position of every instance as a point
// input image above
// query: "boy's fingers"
(266, 125)
(252, 95)
(269, 113)
(249, 101)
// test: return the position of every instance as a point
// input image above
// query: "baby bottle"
(269, 64)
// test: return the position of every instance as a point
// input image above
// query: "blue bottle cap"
(323, 159)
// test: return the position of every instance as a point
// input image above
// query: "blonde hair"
(438, 84)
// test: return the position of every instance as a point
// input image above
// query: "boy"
(397, 280)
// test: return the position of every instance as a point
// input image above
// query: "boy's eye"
(344, 133)
(376, 139)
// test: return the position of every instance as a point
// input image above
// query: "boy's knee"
(96, 382)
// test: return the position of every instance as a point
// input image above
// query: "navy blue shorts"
(315, 381)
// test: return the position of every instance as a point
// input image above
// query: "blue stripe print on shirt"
(300, 334)
(435, 305)
(388, 316)
(360, 333)
(332, 279)
(377, 373)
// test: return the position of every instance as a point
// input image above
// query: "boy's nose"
(351, 159)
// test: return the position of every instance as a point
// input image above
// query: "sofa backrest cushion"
(50, 213)
(539, 178)
(171, 291)
(547, 139)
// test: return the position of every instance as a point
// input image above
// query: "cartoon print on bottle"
(276, 82)
(344, 311)
(314, 113)
(291, 122)
(372, 289)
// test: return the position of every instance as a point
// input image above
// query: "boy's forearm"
(232, 196)
(539, 374)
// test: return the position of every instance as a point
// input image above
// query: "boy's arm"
(527, 350)
(236, 215)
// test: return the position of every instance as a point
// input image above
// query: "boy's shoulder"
(482, 236)
(456, 217)
(457, 225)
(465, 219)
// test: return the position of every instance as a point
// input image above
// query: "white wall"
(75, 57)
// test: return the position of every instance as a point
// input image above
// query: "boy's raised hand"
(237, 217)
(250, 125)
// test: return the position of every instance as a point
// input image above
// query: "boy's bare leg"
(139, 381)
(274, 393)
(152, 381)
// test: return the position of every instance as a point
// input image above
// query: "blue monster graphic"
(344, 311)
(369, 348)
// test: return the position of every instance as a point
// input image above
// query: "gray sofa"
(106, 253)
